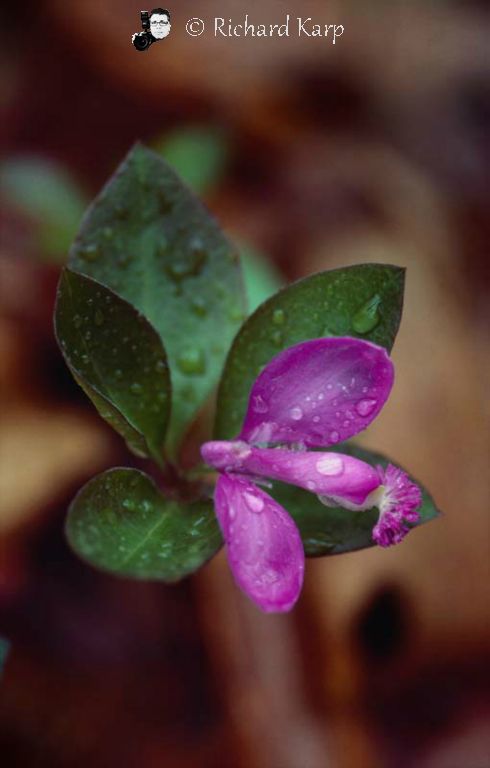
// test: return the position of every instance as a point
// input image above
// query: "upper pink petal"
(264, 548)
(318, 392)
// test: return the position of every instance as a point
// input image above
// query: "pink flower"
(312, 395)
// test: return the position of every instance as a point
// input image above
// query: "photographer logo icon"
(156, 26)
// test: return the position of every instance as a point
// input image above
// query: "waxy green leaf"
(152, 242)
(335, 530)
(118, 358)
(120, 522)
(363, 301)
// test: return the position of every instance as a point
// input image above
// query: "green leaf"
(45, 193)
(334, 530)
(4, 651)
(118, 359)
(151, 241)
(197, 154)
(363, 301)
(260, 277)
(120, 522)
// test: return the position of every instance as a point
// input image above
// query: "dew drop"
(367, 317)
(310, 485)
(330, 465)
(236, 315)
(365, 407)
(334, 437)
(146, 505)
(118, 373)
(254, 503)
(89, 252)
(198, 306)
(277, 338)
(99, 318)
(192, 361)
(316, 419)
(259, 404)
(296, 413)
(77, 321)
(136, 389)
(87, 336)
(160, 366)
(129, 505)
(278, 317)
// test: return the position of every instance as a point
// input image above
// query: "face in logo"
(159, 23)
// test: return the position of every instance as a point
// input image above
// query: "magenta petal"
(264, 548)
(318, 392)
(344, 478)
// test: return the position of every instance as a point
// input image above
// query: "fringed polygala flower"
(312, 395)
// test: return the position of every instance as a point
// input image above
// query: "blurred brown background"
(375, 149)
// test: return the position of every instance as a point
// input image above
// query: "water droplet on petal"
(330, 465)
(334, 437)
(367, 317)
(310, 485)
(254, 503)
(365, 407)
(296, 413)
(259, 404)
(316, 419)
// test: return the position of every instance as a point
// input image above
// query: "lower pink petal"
(264, 548)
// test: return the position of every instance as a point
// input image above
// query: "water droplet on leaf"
(99, 318)
(89, 252)
(192, 361)
(367, 317)
(136, 389)
(160, 366)
(278, 317)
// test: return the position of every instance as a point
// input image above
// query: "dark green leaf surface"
(118, 359)
(120, 522)
(334, 530)
(363, 301)
(151, 241)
